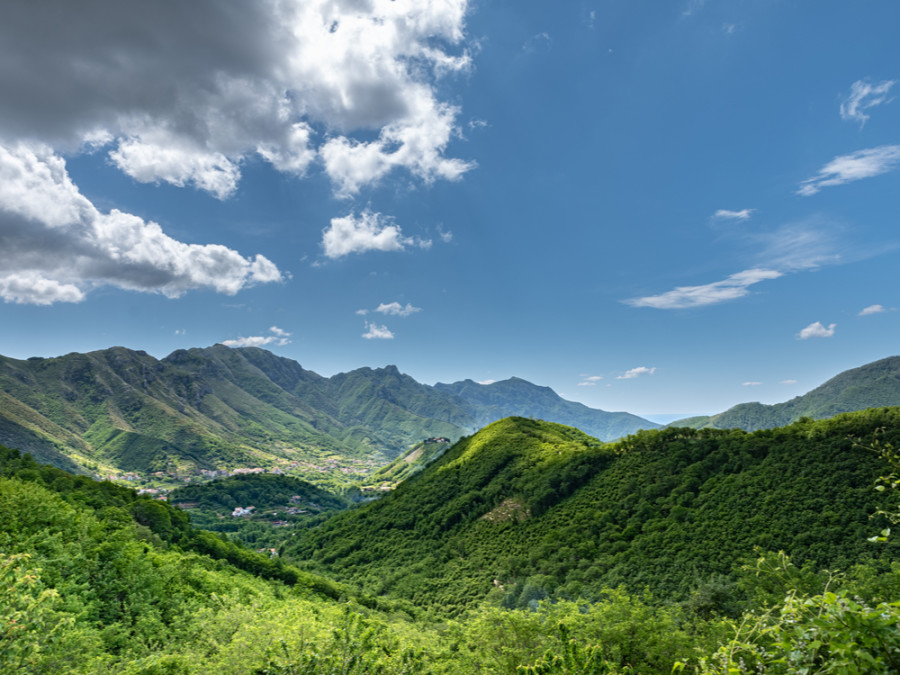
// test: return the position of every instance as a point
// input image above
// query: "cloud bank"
(58, 246)
(188, 93)
(184, 92)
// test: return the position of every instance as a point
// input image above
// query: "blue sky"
(665, 208)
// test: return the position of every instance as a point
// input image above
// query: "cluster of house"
(437, 439)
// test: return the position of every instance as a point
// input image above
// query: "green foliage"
(525, 511)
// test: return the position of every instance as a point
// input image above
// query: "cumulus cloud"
(279, 337)
(816, 330)
(636, 372)
(57, 245)
(855, 166)
(735, 286)
(396, 309)
(725, 214)
(872, 309)
(368, 232)
(185, 93)
(864, 95)
(376, 332)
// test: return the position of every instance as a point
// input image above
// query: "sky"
(665, 208)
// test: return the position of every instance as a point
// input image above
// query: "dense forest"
(526, 548)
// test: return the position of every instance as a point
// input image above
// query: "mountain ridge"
(213, 407)
(872, 385)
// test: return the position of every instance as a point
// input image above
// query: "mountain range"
(218, 407)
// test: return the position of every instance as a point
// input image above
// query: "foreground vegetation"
(525, 510)
(94, 578)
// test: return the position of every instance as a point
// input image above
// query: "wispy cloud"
(725, 214)
(872, 309)
(636, 372)
(537, 43)
(279, 337)
(855, 166)
(590, 381)
(751, 384)
(788, 382)
(801, 245)
(376, 332)
(735, 286)
(816, 330)
(396, 309)
(864, 95)
(368, 232)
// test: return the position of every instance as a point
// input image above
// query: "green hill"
(525, 510)
(873, 385)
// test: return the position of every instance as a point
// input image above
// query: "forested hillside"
(525, 510)
(873, 385)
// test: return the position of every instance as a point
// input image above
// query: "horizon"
(689, 208)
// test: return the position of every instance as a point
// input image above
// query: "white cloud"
(816, 330)
(376, 332)
(853, 167)
(725, 214)
(590, 381)
(185, 92)
(735, 286)
(636, 372)
(487, 381)
(396, 309)
(863, 96)
(279, 337)
(57, 245)
(369, 232)
(751, 384)
(788, 382)
(872, 309)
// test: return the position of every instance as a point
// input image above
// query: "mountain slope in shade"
(488, 403)
(873, 385)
